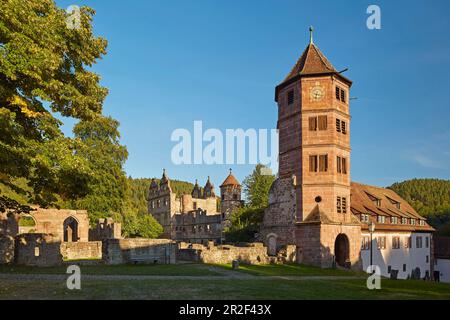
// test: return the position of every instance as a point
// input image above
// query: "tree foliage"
(257, 186)
(44, 71)
(245, 222)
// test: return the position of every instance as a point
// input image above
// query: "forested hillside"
(430, 198)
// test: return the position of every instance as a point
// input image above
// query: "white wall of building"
(443, 266)
(403, 259)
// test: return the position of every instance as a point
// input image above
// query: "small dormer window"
(290, 97)
(381, 219)
(413, 222)
(394, 220)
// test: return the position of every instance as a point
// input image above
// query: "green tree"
(257, 186)
(43, 72)
(100, 146)
(245, 222)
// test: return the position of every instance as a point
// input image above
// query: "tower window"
(323, 163)
(195, 205)
(339, 205)
(235, 197)
(341, 164)
(343, 95)
(338, 93)
(313, 163)
(290, 97)
(322, 122)
(338, 125)
(343, 127)
(313, 124)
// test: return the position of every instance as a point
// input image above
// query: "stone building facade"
(193, 217)
(311, 202)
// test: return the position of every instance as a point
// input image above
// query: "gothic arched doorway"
(70, 230)
(342, 251)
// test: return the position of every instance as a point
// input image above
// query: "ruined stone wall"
(81, 250)
(130, 251)
(253, 253)
(197, 227)
(105, 229)
(38, 250)
(51, 221)
(6, 250)
(279, 217)
(9, 225)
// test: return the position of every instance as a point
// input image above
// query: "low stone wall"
(147, 251)
(253, 253)
(6, 250)
(81, 250)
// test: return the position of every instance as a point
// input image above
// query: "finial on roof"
(311, 30)
(231, 171)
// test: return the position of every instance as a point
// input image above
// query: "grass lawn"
(225, 289)
(156, 270)
(291, 270)
(220, 287)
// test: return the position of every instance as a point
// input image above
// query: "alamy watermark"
(374, 280)
(374, 20)
(234, 146)
(74, 280)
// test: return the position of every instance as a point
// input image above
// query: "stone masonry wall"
(254, 253)
(279, 217)
(6, 250)
(38, 250)
(129, 251)
(81, 250)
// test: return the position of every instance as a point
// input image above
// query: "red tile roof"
(230, 181)
(363, 201)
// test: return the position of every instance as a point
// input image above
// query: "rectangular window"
(338, 93)
(343, 127)
(344, 165)
(322, 122)
(313, 124)
(381, 241)
(428, 259)
(404, 267)
(389, 269)
(413, 222)
(338, 125)
(339, 205)
(404, 220)
(344, 205)
(338, 164)
(381, 219)
(313, 163)
(365, 244)
(408, 242)
(394, 220)
(396, 243)
(323, 163)
(343, 96)
(427, 242)
(290, 97)
(419, 242)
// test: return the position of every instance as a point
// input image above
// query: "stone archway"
(342, 251)
(70, 230)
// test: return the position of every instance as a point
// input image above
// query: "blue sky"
(170, 63)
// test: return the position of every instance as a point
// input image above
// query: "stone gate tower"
(230, 191)
(310, 202)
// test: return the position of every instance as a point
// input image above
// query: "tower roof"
(311, 62)
(230, 181)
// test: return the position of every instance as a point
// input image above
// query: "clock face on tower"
(317, 93)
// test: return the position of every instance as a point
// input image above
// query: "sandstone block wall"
(81, 250)
(6, 250)
(38, 250)
(130, 251)
(254, 253)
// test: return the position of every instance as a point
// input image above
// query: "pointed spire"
(311, 39)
